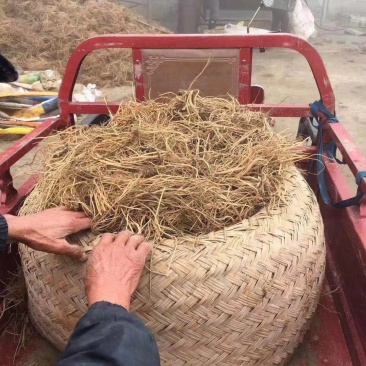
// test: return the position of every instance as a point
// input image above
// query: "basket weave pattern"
(240, 296)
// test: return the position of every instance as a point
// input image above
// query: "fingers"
(128, 239)
(120, 239)
(74, 214)
(82, 224)
(134, 241)
(106, 239)
(80, 220)
(145, 248)
(72, 251)
(123, 237)
(78, 214)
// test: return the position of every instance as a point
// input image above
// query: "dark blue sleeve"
(108, 335)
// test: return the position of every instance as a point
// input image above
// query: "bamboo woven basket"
(240, 296)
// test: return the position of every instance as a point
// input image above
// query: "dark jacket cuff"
(3, 233)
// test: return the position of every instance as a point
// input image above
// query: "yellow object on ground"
(10, 123)
(37, 110)
(29, 94)
(15, 130)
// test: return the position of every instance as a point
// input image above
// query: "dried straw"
(38, 35)
(14, 300)
(189, 166)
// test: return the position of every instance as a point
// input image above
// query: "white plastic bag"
(241, 29)
(235, 29)
(90, 93)
(301, 20)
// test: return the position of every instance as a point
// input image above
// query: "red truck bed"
(338, 332)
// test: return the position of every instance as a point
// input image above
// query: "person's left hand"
(47, 230)
(114, 268)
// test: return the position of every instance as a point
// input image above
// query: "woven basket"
(240, 296)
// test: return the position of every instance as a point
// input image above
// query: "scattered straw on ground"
(189, 166)
(39, 35)
(14, 302)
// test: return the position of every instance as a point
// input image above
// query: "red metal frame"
(245, 75)
(245, 44)
(345, 229)
(10, 198)
(138, 74)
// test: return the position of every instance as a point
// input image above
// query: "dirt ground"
(286, 78)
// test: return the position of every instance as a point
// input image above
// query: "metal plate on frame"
(214, 71)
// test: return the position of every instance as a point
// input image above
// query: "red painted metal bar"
(198, 42)
(340, 190)
(349, 150)
(245, 75)
(346, 258)
(350, 332)
(284, 110)
(138, 74)
(8, 192)
(26, 143)
(14, 203)
(10, 198)
(256, 95)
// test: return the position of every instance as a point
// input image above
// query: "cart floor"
(324, 343)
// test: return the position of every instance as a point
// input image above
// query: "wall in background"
(166, 11)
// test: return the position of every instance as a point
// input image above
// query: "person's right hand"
(47, 231)
(114, 268)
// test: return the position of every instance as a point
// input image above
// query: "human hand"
(114, 268)
(47, 230)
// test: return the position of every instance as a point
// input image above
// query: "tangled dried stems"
(39, 35)
(185, 165)
(14, 302)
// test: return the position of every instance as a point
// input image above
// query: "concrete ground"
(287, 78)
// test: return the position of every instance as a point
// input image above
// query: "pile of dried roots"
(186, 167)
(39, 35)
